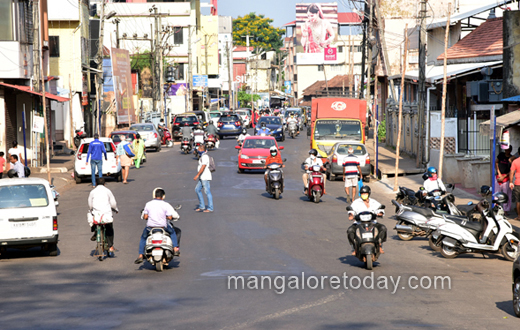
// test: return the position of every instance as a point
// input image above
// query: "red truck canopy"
(339, 107)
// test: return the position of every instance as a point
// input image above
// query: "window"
(6, 21)
(54, 46)
(320, 68)
(340, 49)
(23, 196)
(295, 77)
(178, 36)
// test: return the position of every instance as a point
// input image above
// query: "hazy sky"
(281, 11)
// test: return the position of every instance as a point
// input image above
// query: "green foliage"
(245, 98)
(264, 34)
(140, 61)
(381, 130)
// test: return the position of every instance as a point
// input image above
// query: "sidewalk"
(61, 168)
(386, 161)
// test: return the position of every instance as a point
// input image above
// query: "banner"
(122, 80)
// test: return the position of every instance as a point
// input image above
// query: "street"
(249, 234)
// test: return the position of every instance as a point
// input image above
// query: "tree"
(264, 35)
(245, 98)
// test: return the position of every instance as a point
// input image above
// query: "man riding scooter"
(186, 131)
(212, 130)
(274, 157)
(433, 182)
(365, 203)
(295, 121)
(198, 136)
(309, 162)
(263, 129)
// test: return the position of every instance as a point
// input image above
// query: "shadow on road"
(506, 306)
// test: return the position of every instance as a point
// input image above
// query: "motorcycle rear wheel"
(169, 144)
(404, 236)
(508, 253)
(369, 263)
(432, 245)
(159, 266)
(316, 196)
(448, 252)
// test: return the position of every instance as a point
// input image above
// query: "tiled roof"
(485, 40)
(312, 89)
(339, 81)
(243, 49)
(348, 18)
(290, 23)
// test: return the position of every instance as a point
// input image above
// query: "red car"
(254, 151)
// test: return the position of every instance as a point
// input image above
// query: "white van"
(28, 215)
(111, 167)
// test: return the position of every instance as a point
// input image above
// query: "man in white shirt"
(204, 178)
(242, 137)
(295, 122)
(17, 166)
(157, 212)
(101, 202)
(433, 182)
(309, 162)
(16, 150)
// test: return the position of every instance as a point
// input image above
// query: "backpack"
(212, 168)
(128, 150)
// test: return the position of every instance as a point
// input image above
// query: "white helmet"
(273, 149)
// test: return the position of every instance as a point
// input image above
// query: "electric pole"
(230, 81)
(190, 74)
(422, 84)
(116, 22)
(99, 84)
(369, 46)
(363, 56)
(157, 59)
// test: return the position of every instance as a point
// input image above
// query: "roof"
(27, 89)
(290, 23)
(485, 40)
(243, 49)
(512, 99)
(312, 89)
(101, 138)
(504, 121)
(13, 181)
(261, 137)
(123, 132)
(339, 81)
(349, 18)
(435, 73)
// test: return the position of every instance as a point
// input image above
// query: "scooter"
(493, 234)
(367, 246)
(292, 129)
(210, 142)
(316, 184)
(186, 145)
(196, 146)
(80, 135)
(275, 180)
(167, 138)
(159, 247)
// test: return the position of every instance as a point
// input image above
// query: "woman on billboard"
(317, 32)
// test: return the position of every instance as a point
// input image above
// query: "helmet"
(12, 174)
(431, 171)
(313, 152)
(244, 131)
(365, 190)
(273, 149)
(500, 198)
(263, 124)
(198, 126)
(211, 122)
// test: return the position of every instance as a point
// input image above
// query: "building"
(225, 51)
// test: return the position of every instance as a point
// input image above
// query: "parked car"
(215, 116)
(254, 151)
(246, 118)
(180, 121)
(110, 167)
(203, 116)
(149, 134)
(339, 151)
(516, 285)
(274, 124)
(119, 136)
(229, 125)
(28, 216)
(249, 113)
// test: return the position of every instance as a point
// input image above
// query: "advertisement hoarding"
(122, 80)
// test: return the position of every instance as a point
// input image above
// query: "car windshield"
(184, 119)
(359, 150)
(258, 143)
(337, 129)
(118, 137)
(214, 114)
(24, 195)
(271, 120)
(289, 113)
(228, 119)
(108, 147)
(147, 128)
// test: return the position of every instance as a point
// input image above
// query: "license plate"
(367, 235)
(23, 224)
(157, 252)
(257, 161)
(229, 126)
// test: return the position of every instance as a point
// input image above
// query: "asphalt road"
(249, 234)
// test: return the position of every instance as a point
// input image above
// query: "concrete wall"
(208, 38)
(68, 65)
(511, 71)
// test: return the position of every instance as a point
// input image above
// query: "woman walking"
(138, 147)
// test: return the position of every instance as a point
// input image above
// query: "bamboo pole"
(399, 118)
(443, 107)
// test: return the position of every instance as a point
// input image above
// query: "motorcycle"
(316, 184)
(196, 146)
(211, 142)
(292, 129)
(186, 145)
(167, 138)
(159, 247)
(367, 246)
(80, 135)
(493, 234)
(275, 180)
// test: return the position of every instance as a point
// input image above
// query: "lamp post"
(99, 60)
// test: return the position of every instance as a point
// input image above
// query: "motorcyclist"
(274, 157)
(198, 135)
(433, 182)
(291, 119)
(157, 212)
(263, 129)
(242, 137)
(212, 130)
(186, 131)
(309, 162)
(101, 202)
(363, 204)
(160, 127)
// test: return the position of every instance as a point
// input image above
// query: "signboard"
(179, 89)
(330, 54)
(38, 124)
(123, 90)
(288, 87)
(200, 81)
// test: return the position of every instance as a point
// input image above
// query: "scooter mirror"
(284, 160)
(470, 203)
(178, 207)
(449, 185)
(383, 207)
(349, 208)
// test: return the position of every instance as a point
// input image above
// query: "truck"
(337, 119)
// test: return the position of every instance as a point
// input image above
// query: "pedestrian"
(514, 184)
(351, 171)
(138, 147)
(95, 149)
(16, 150)
(123, 155)
(17, 166)
(204, 178)
(503, 167)
(2, 164)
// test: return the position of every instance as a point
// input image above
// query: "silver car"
(339, 151)
(150, 135)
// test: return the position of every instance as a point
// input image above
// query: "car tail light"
(155, 135)
(158, 241)
(220, 124)
(237, 123)
(114, 146)
(176, 124)
(80, 151)
(334, 159)
(196, 123)
(54, 223)
(367, 161)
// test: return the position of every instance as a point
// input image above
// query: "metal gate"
(470, 139)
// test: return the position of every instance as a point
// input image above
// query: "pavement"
(252, 235)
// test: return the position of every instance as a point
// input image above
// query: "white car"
(111, 167)
(246, 119)
(28, 215)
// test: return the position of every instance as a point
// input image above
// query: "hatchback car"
(119, 136)
(149, 134)
(180, 121)
(111, 167)
(229, 125)
(244, 115)
(339, 151)
(274, 124)
(254, 151)
(28, 215)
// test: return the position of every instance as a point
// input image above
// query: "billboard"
(316, 32)
(122, 81)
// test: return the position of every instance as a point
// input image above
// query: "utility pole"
(157, 59)
(422, 84)
(369, 45)
(326, 81)
(116, 22)
(230, 81)
(99, 81)
(206, 53)
(70, 114)
(400, 116)
(444, 85)
(190, 74)
(385, 49)
(363, 56)
(44, 101)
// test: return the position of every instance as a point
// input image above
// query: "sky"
(281, 11)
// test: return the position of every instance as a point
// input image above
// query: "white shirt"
(158, 210)
(206, 174)
(198, 136)
(19, 168)
(101, 200)
(359, 206)
(292, 120)
(16, 151)
(242, 137)
(309, 162)
(430, 185)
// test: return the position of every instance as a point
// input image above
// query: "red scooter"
(316, 184)
(211, 142)
(167, 138)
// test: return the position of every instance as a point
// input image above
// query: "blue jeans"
(146, 230)
(198, 189)
(93, 164)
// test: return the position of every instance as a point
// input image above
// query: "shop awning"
(503, 122)
(27, 89)
(512, 99)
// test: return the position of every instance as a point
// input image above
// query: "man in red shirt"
(274, 157)
(515, 185)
